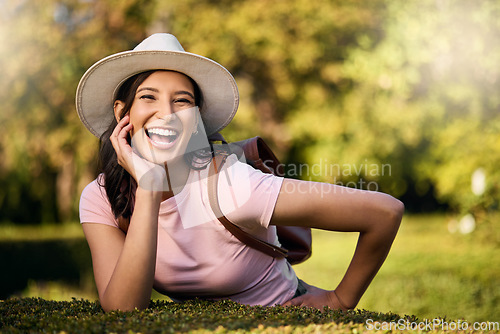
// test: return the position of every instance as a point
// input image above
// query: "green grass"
(430, 273)
(13, 232)
(82, 316)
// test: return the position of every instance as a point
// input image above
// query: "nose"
(166, 112)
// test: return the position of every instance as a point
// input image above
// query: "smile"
(162, 138)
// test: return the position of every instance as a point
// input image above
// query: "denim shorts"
(301, 289)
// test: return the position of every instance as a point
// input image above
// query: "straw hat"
(98, 86)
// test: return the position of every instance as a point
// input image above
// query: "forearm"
(132, 280)
(371, 252)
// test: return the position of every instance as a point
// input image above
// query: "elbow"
(394, 213)
(386, 215)
(399, 210)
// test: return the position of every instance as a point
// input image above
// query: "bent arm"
(124, 266)
(375, 215)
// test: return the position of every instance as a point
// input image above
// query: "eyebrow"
(148, 88)
(181, 92)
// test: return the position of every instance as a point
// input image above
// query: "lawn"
(430, 273)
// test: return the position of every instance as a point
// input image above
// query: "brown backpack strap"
(260, 156)
(256, 153)
(246, 238)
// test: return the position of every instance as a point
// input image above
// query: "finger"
(294, 302)
(120, 143)
(120, 134)
(114, 135)
(124, 121)
(123, 134)
(122, 126)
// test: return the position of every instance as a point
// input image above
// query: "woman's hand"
(148, 175)
(317, 298)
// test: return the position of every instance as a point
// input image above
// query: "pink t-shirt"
(197, 256)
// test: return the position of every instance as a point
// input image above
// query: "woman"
(153, 108)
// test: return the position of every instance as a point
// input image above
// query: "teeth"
(162, 132)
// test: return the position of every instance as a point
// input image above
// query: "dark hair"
(119, 185)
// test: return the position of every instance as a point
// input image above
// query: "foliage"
(426, 97)
(347, 87)
(81, 316)
(46, 153)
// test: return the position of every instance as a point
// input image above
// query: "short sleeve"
(95, 207)
(247, 196)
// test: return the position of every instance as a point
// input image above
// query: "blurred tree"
(385, 95)
(47, 156)
(285, 55)
(426, 99)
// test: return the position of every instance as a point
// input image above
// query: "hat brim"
(98, 86)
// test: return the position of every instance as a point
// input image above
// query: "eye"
(147, 97)
(183, 100)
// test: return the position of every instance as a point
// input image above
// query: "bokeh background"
(353, 84)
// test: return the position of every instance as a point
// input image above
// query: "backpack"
(296, 240)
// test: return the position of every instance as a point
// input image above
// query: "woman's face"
(163, 115)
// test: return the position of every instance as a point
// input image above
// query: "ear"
(118, 108)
